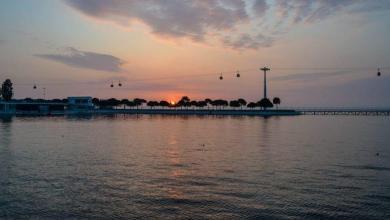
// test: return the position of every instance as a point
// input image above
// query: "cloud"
(260, 7)
(298, 11)
(86, 60)
(311, 76)
(244, 21)
(174, 18)
(246, 41)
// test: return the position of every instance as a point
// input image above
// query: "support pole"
(265, 69)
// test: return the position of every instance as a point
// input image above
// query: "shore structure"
(84, 105)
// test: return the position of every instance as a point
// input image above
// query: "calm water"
(305, 167)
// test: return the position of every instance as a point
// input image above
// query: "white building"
(80, 103)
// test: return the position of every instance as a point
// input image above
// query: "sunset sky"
(321, 53)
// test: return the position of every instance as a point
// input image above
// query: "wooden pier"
(361, 112)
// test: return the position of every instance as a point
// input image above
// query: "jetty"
(345, 111)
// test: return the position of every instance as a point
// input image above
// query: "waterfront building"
(81, 103)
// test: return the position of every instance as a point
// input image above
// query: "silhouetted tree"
(28, 100)
(185, 99)
(208, 102)
(242, 102)
(265, 103)
(130, 104)
(215, 103)
(164, 103)
(152, 104)
(187, 104)
(184, 102)
(138, 102)
(234, 104)
(224, 103)
(276, 102)
(113, 102)
(124, 103)
(202, 104)
(194, 103)
(7, 90)
(96, 101)
(180, 104)
(252, 105)
(103, 104)
(220, 103)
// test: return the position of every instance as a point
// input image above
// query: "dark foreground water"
(305, 167)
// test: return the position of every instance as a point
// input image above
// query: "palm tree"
(252, 105)
(224, 103)
(276, 102)
(124, 103)
(185, 98)
(7, 90)
(220, 102)
(130, 104)
(234, 104)
(193, 103)
(187, 104)
(104, 104)
(202, 104)
(138, 102)
(242, 102)
(152, 104)
(265, 103)
(184, 101)
(164, 103)
(96, 101)
(214, 103)
(113, 102)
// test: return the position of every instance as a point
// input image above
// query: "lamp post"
(265, 69)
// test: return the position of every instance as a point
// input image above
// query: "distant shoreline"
(228, 112)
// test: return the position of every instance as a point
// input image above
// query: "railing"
(345, 111)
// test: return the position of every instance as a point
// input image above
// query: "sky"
(320, 52)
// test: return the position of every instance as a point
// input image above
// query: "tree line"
(185, 103)
(6, 92)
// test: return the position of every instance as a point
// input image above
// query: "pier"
(83, 105)
(345, 111)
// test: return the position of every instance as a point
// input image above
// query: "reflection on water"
(195, 167)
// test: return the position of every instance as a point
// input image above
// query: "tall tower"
(265, 69)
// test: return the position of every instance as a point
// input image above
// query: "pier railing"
(344, 111)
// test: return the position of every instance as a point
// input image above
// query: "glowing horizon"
(177, 48)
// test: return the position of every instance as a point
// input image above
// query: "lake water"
(182, 167)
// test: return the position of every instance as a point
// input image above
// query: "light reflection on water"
(195, 167)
